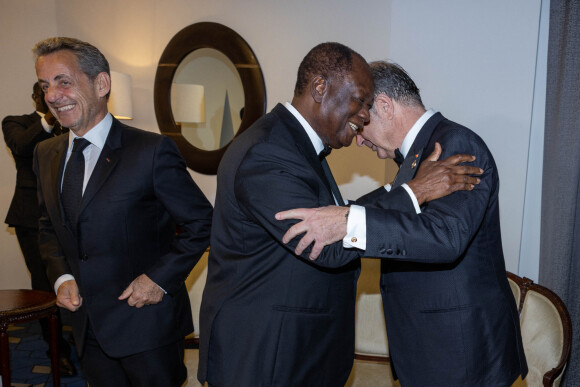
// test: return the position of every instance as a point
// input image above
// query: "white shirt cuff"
(413, 198)
(356, 228)
(61, 279)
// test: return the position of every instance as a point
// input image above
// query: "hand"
(436, 179)
(323, 226)
(49, 118)
(68, 297)
(142, 291)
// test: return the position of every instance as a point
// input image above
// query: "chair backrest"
(546, 331)
(371, 341)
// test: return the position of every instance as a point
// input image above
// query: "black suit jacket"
(21, 134)
(137, 194)
(450, 314)
(269, 317)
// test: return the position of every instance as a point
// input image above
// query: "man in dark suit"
(114, 255)
(21, 134)
(450, 314)
(269, 317)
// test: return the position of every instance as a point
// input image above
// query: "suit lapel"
(302, 142)
(57, 163)
(108, 158)
(414, 158)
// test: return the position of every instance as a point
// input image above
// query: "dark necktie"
(399, 157)
(72, 182)
(326, 168)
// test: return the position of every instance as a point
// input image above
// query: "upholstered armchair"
(546, 331)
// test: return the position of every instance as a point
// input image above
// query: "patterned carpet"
(29, 362)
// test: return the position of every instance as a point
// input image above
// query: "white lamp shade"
(120, 104)
(187, 102)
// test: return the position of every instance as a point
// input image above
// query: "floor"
(31, 366)
(29, 362)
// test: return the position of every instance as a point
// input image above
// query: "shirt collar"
(316, 141)
(415, 129)
(98, 134)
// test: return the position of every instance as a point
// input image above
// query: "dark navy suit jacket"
(269, 317)
(138, 193)
(450, 314)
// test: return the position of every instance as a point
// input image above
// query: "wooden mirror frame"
(232, 45)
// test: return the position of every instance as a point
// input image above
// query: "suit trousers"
(160, 367)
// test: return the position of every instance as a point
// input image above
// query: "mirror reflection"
(207, 99)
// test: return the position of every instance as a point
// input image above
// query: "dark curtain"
(560, 232)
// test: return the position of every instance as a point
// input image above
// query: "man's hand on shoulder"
(323, 226)
(436, 179)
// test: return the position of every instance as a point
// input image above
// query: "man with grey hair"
(450, 314)
(111, 200)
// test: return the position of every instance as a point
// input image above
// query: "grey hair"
(392, 80)
(91, 61)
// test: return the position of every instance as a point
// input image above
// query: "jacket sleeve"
(50, 250)
(190, 210)
(444, 229)
(22, 133)
(395, 199)
(273, 178)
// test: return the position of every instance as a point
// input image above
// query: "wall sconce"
(120, 104)
(187, 103)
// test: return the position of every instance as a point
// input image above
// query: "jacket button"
(390, 252)
(84, 258)
(403, 252)
(382, 250)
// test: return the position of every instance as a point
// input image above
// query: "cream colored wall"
(22, 23)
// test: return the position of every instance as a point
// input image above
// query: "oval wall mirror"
(208, 89)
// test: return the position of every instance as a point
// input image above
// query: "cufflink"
(353, 239)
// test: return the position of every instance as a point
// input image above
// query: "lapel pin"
(415, 161)
(108, 160)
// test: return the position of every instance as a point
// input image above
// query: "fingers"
(297, 213)
(294, 231)
(458, 159)
(434, 156)
(126, 293)
(316, 250)
(142, 291)
(66, 304)
(68, 296)
(303, 244)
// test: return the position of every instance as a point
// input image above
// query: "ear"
(384, 106)
(318, 88)
(103, 84)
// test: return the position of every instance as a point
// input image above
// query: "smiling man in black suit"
(111, 199)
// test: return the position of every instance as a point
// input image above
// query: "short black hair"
(330, 60)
